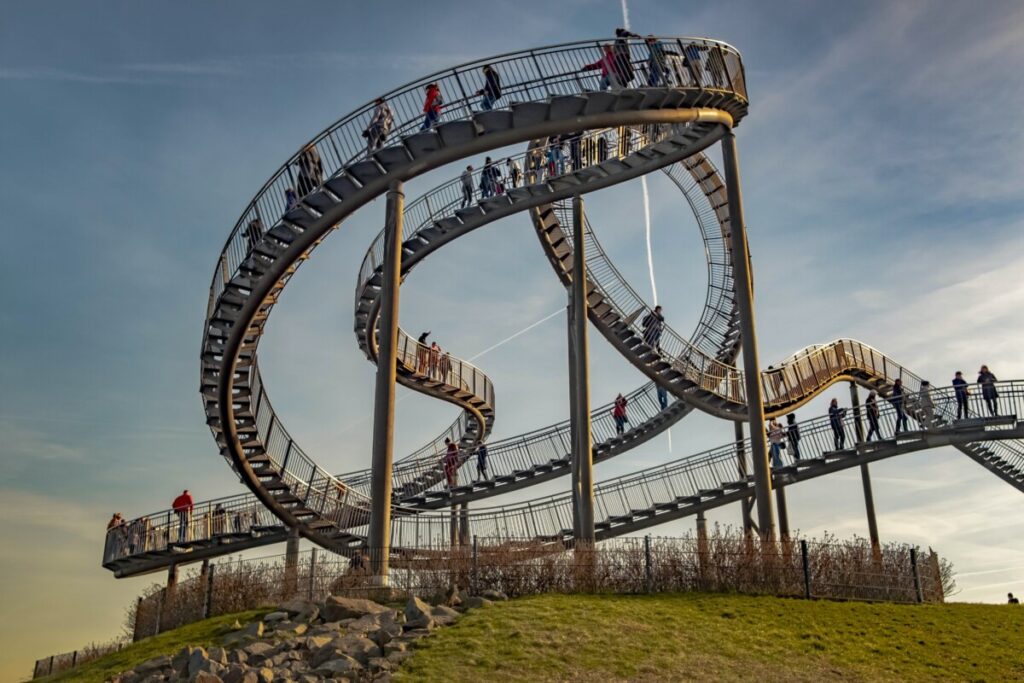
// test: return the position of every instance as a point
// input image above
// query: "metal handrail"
(668, 482)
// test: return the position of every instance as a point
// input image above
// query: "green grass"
(201, 633)
(722, 637)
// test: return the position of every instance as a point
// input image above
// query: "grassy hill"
(723, 637)
(682, 637)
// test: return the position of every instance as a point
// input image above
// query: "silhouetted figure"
(897, 399)
(431, 106)
(489, 178)
(653, 325)
(835, 421)
(961, 392)
(793, 434)
(291, 199)
(619, 414)
(1010, 600)
(575, 149)
(253, 233)
(658, 69)
(491, 91)
(623, 61)
(872, 410)
(219, 513)
(988, 389)
(444, 366)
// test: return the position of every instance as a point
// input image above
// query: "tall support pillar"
(865, 474)
(166, 612)
(579, 357)
(291, 561)
(379, 536)
(751, 368)
(464, 524)
(780, 500)
(702, 550)
(573, 446)
(741, 466)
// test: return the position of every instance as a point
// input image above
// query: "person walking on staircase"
(467, 187)
(962, 393)
(835, 420)
(896, 398)
(793, 435)
(623, 60)
(422, 353)
(451, 463)
(925, 406)
(380, 126)
(515, 172)
(653, 325)
(609, 70)
(662, 397)
(491, 91)
(776, 441)
(872, 410)
(435, 359)
(619, 414)
(481, 463)
(432, 103)
(988, 389)
(182, 506)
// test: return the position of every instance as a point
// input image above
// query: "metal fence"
(718, 563)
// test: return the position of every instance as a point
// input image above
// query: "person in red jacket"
(432, 106)
(183, 508)
(611, 78)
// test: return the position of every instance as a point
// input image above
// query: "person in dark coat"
(623, 62)
(835, 420)
(872, 410)
(962, 392)
(793, 435)
(491, 91)
(896, 398)
(653, 325)
(988, 389)
(311, 170)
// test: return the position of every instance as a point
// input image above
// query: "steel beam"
(583, 456)
(780, 500)
(741, 467)
(865, 474)
(751, 368)
(379, 536)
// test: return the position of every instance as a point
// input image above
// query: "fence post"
(475, 576)
(135, 629)
(208, 599)
(807, 569)
(312, 572)
(159, 610)
(918, 594)
(648, 572)
(49, 669)
(74, 659)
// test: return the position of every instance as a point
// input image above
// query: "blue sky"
(882, 170)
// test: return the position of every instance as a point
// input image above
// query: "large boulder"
(206, 677)
(275, 616)
(359, 647)
(417, 614)
(300, 609)
(340, 666)
(475, 601)
(290, 629)
(196, 659)
(154, 664)
(444, 615)
(493, 595)
(452, 597)
(336, 608)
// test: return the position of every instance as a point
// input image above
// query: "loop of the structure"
(663, 127)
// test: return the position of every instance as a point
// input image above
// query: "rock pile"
(340, 639)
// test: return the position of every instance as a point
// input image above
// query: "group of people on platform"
(923, 406)
(432, 361)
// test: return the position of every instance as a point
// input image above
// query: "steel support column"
(379, 536)
(583, 460)
(573, 446)
(741, 466)
(780, 500)
(751, 368)
(464, 524)
(865, 474)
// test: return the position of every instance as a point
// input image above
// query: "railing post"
(208, 598)
(807, 569)
(918, 593)
(379, 536)
(648, 570)
(474, 589)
